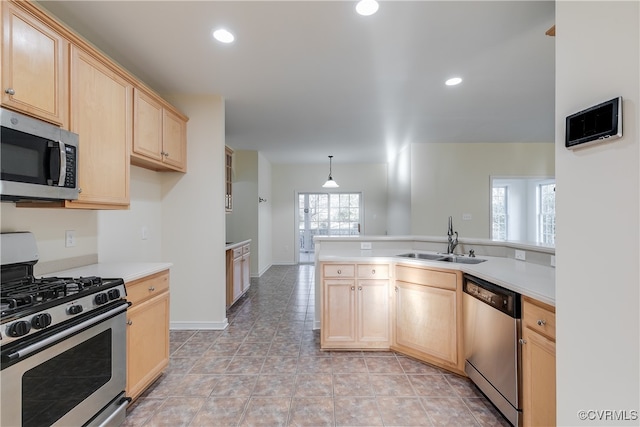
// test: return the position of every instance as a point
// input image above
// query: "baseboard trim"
(186, 326)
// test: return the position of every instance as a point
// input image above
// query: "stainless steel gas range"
(62, 344)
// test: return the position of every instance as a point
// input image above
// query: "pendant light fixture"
(330, 182)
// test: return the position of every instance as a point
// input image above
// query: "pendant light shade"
(330, 182)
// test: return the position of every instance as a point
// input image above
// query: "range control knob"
(113, 294)
(74, 309)
(19, 328)
(41, 321)
(101, 298)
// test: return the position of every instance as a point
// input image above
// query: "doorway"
(325, 214)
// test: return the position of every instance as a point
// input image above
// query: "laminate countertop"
(533, 280)
(128, 271)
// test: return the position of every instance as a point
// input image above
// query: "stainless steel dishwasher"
(491, 337)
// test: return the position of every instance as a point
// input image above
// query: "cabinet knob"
(353, 288)
(10, 91)
(359, 288)
(79, 190)
(166, 154)
(339, 271)
(522, 341)
(129, 322)
(373, 271)
(542, 322)
(151, 288)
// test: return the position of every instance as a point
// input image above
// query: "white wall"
(452, 179)
(370, 179)
(242, 223)
(399, 193)
(193, 218)
(49, 226)
(265, 256)
(120, 232)
(598, 215)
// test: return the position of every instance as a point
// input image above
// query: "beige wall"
(452, 179)
(598, 215)
(265, 258)
(370, 179)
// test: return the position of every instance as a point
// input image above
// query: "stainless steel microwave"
(39, 160)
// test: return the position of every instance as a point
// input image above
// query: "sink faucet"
(453, 242)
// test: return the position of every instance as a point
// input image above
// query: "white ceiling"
(308, 79)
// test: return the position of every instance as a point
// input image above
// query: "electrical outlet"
(466, 217)
(69, 238)
(521, 255)
(553, 260)
(144, 232)
(365, 245)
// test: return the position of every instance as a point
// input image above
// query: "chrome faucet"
(453, 242)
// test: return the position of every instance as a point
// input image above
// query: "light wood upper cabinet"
(228, 169)
(160, 134)
(101, 114)
(428, 316)
(538, 364)
(34, 66)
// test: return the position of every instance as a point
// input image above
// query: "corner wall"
(598, 217)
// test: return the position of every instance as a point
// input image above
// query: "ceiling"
(308, 79)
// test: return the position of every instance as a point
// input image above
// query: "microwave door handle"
(63, 164)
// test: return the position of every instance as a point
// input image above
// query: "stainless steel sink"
(443, 257)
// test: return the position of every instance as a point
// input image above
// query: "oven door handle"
(65, 333)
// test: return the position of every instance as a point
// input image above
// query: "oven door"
(73, 374)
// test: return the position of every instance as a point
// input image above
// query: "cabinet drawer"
(373, 271)
(538, 318)
(237, 252)
(423, 276)
(245, 249)
(147, 287)
(338, 270)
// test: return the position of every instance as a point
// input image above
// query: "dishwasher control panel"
(501, 299)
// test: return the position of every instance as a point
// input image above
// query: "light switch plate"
(466, 217)
(521, 255)
(365, 245)
(69, 238)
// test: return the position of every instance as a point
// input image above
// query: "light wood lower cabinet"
(147, 331)
(428, 316)
(538, 363)
(355, 306)
(238, 272)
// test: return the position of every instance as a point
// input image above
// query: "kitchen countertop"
(233, 245)
(533, 280)
(128, 271)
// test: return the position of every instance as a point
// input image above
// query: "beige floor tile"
(313, 365)
(176, 411)
(432, 386)
(383, 365)
(312, 412)
(463, 386)
(314, 385)
(341, 364)
(485, 413)
(402, 411)
(234, 386)
(448, 411)
(280, 365)
(220, 412)
(142, 410)
(352, 385)
(267, 411)
(275, 385)
(357, 411)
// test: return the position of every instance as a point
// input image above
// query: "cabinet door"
(147, 125)
(539, 379)
(373, 312)
(246, 272)
(237, 278)
(174, 140)
(34, 67)
(147, 343)
(426, 321)
(338, 313)
(101, 115)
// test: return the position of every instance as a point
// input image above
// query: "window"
(499, 213)
(547, 213)
(523, 209)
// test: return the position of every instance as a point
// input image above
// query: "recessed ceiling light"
(223, 36)
(453, 81)
(367, 7)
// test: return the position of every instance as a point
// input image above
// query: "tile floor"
(267, 369)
